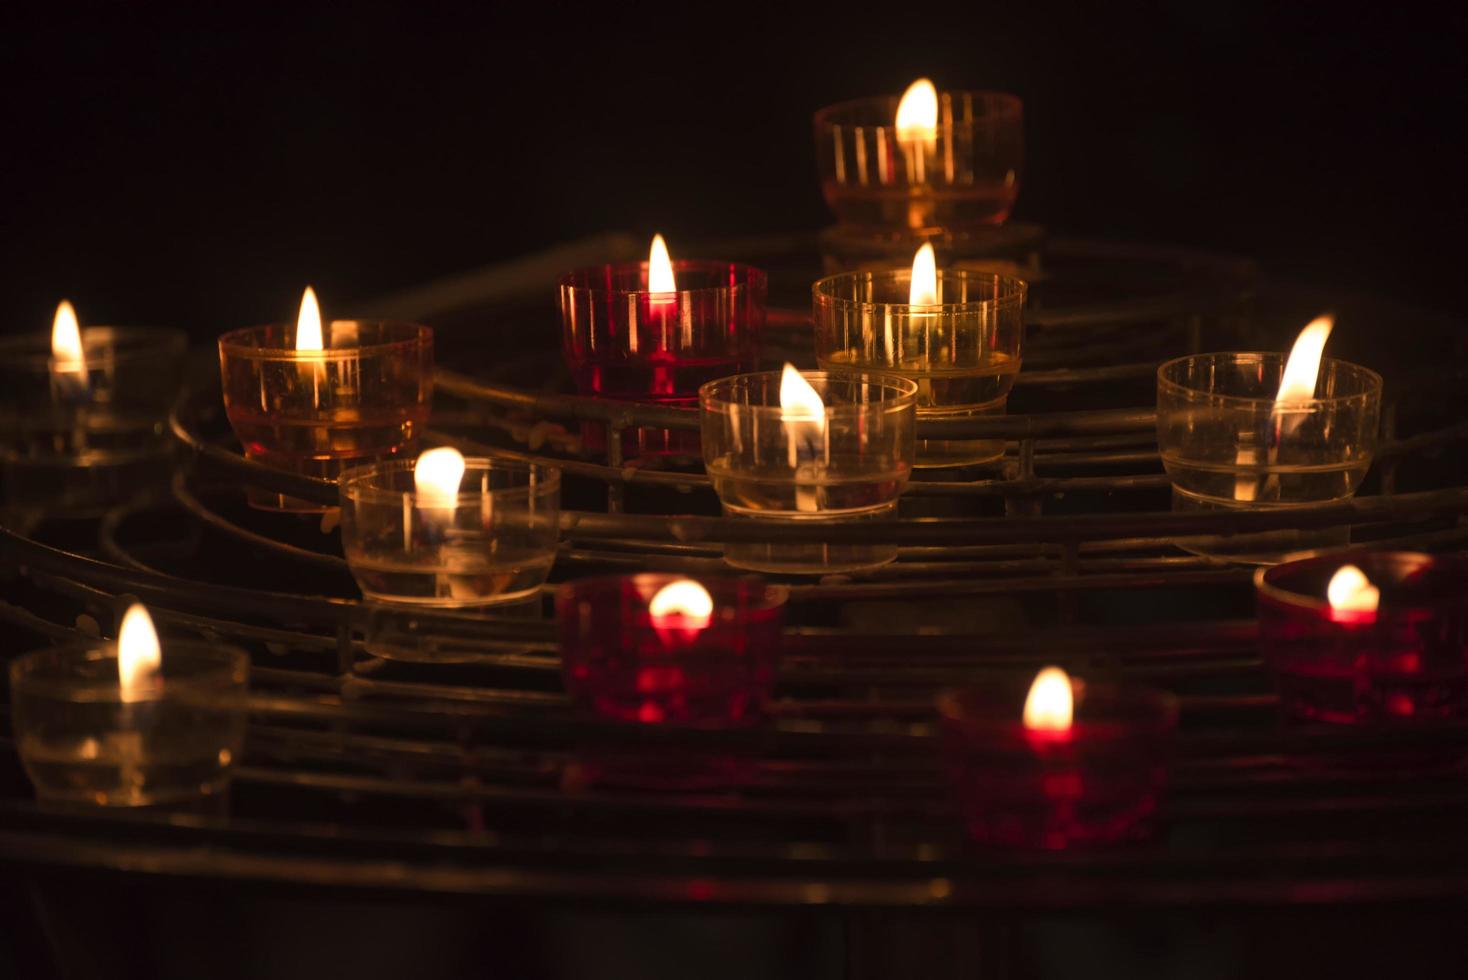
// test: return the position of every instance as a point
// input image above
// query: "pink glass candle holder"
(365, 397)
(1404, 660)
(82, 740)
(967, 173)
(624, 660)
(623, 341)
(1098, 781)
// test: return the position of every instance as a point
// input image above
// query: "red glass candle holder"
(621, 662)
(366, 397)
(1406, 661)
(625, 342)
(1097, 782)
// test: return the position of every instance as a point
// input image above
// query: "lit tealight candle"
(68, 360)
(1291, 405)
(681, 610)
(924, 288)
(917, 126)
(804, 416)
(308, 341)
(437, 476)
(139, 655)
(1352, 597)
(1050, 706)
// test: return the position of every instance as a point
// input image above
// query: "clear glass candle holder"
(1404, 661)
(622, 662)
(81, 742)
(1099, 782)
(81, 446)
(852, 465)
(968, 174)
(1226, 445)
(367, 396)
(624, 342)
(963, 353)
(493, 543)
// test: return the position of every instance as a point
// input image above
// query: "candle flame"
(139, 656)
(1350, 591)
(684, 600)
(917, 113)
(437, 476)
(660, 268)
(308, 323)
(1050, 706)
(798, 400)
(1302, 369)
(924, 288)
(66, 341)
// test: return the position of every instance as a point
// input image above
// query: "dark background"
(171, 165)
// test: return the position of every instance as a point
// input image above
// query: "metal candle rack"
(361, 773)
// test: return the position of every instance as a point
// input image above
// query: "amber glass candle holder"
(1405, 660)
(962, 353)
(849, 466)
(1099, 782)
(493, 543)
(79, 446)
(624, 342)
(967, 174)
(82, 742)
(623, 662)
(1226, 445)
(365, 397)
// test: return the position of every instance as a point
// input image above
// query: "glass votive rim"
(881, 110)
(1367, 383)
(357, 482)
(1104, 712)
(100, 345)
(898, 394)
(276, 341)
(1298, 586)
(629, 278)
(203, 665)
(836, 291)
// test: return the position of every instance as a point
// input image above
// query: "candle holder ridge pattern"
(316, 412)
(962, 352)
(968, 173)
(625, 342)
(1405, 661)
(80, 741)
(1099, 782)
(849, 465)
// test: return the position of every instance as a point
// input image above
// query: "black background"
(167, 164)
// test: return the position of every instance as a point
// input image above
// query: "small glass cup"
(1406, 661)
(81, 742)
(80, 448)
(1101, 781)
(623, 342)
(850, 467)
(963, 353)
(967, 175)
(365, 397)
(1226, 446)
(494, 545)
(621, 662)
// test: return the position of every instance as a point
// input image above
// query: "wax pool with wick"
(809, 448)
(654, 332)
(1057, 762)
(928, 160)
(1259, 431)
(131, 723)
(82, 414)
(446, 532)
(657, 649)
(316, 398)
(1368, 637)
(957, 333)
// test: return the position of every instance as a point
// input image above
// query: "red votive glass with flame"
(625, 341)
(1385, 643)
(1096, 778)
